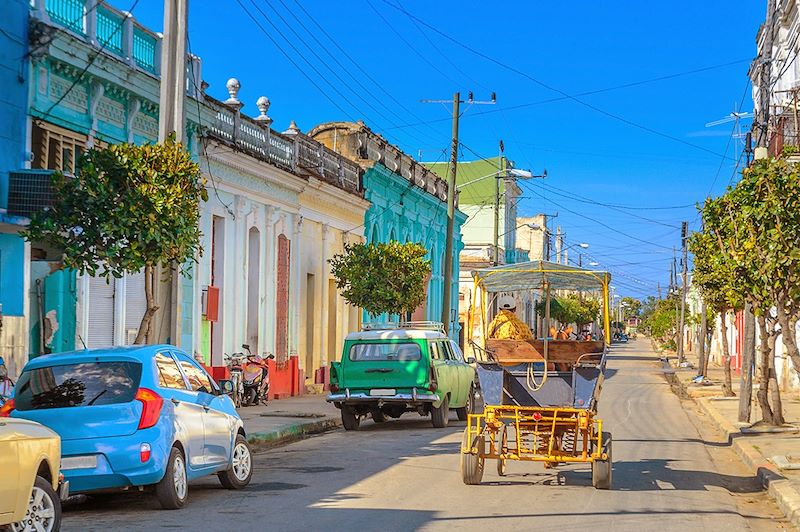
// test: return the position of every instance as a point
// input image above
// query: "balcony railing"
(295, 153)
(115, 31)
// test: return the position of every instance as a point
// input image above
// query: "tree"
(660, 319)
(572, 309)
(756, 225)
(382, 278)
(127, 208)
(632, 307)
(716, 279)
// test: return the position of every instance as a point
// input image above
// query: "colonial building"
(408, 203)
(280, 205)
(14, 252)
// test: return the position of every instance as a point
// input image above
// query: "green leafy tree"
(660, 319)
(714, 274)
(572, 308)
(757, 226)
(382, 278)
(632, 306)
(128, 208)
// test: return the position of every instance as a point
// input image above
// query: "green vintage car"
(388, 371)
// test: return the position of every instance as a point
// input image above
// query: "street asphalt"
(671, 472)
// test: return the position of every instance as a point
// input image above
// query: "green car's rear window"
(401, 351)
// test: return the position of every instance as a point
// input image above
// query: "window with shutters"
(135, 305)
(101, 312)
(56, 148)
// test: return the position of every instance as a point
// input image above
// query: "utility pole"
(451, 217)
(500, 168)
(684, 235)
(451, 202)
(167, 320)
(558, 244)
(173, 70)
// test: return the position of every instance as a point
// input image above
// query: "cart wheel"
(472, 464)
(601, 469)
(501, 463)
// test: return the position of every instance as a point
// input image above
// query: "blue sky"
(556, 48)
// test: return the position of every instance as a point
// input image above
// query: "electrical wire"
(550, 87)
(334, 71)
(587, 93)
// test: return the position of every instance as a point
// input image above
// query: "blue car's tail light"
(151, 407)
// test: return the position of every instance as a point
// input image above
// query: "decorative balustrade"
(294, 152)
(103, 25)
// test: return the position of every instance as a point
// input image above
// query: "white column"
(271, 250)
(295, 286)
(238, 301)
(263, 268)
(82, 311)
(323, 354)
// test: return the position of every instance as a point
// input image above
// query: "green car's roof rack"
(385, 326)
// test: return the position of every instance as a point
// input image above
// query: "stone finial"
(293, 129)
(263, 106)
(233, 87)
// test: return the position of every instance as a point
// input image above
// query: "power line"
(550, 87)
(350, 58)
(292, 61)
(560, 206)
(587, 93)
(333, 71)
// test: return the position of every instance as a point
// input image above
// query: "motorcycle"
(255, 376)
(235, 364)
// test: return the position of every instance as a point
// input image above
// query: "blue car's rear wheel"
(240, 471)
(173, 490)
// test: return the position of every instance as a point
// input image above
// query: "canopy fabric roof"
(532, 275)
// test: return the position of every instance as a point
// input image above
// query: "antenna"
(737, 117)
(84, 343)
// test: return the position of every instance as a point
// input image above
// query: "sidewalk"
(771, 453)
(288, 420)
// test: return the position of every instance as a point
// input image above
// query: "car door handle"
(379, 370)
(175, 401)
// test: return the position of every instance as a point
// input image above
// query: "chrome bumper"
(361, 397)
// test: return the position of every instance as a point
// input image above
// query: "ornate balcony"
(117, 32)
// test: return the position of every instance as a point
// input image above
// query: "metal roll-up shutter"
(101, 312)
(135, 305)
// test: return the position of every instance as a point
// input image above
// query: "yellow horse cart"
(540, 396)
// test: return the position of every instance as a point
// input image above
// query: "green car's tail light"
(434, 384)
(151, 407)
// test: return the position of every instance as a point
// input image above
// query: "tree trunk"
(702, 367)
(789, 337)
(727, 387)
(767, 415)
(146, 325)
(748, 360)
(775, 392)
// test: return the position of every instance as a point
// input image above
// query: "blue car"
(135, 416)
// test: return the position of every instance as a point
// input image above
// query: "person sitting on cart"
(506, 325)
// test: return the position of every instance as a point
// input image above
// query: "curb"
(778, 487)
(262, 441)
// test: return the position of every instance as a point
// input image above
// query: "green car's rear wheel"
(350, 420)
(441, 416)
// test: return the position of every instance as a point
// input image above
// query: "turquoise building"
(14, 80)
(408, 204)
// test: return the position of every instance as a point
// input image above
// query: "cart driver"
(506, 325)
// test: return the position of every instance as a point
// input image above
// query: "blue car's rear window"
(84, 384)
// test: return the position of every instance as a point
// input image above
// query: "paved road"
(404, 475)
